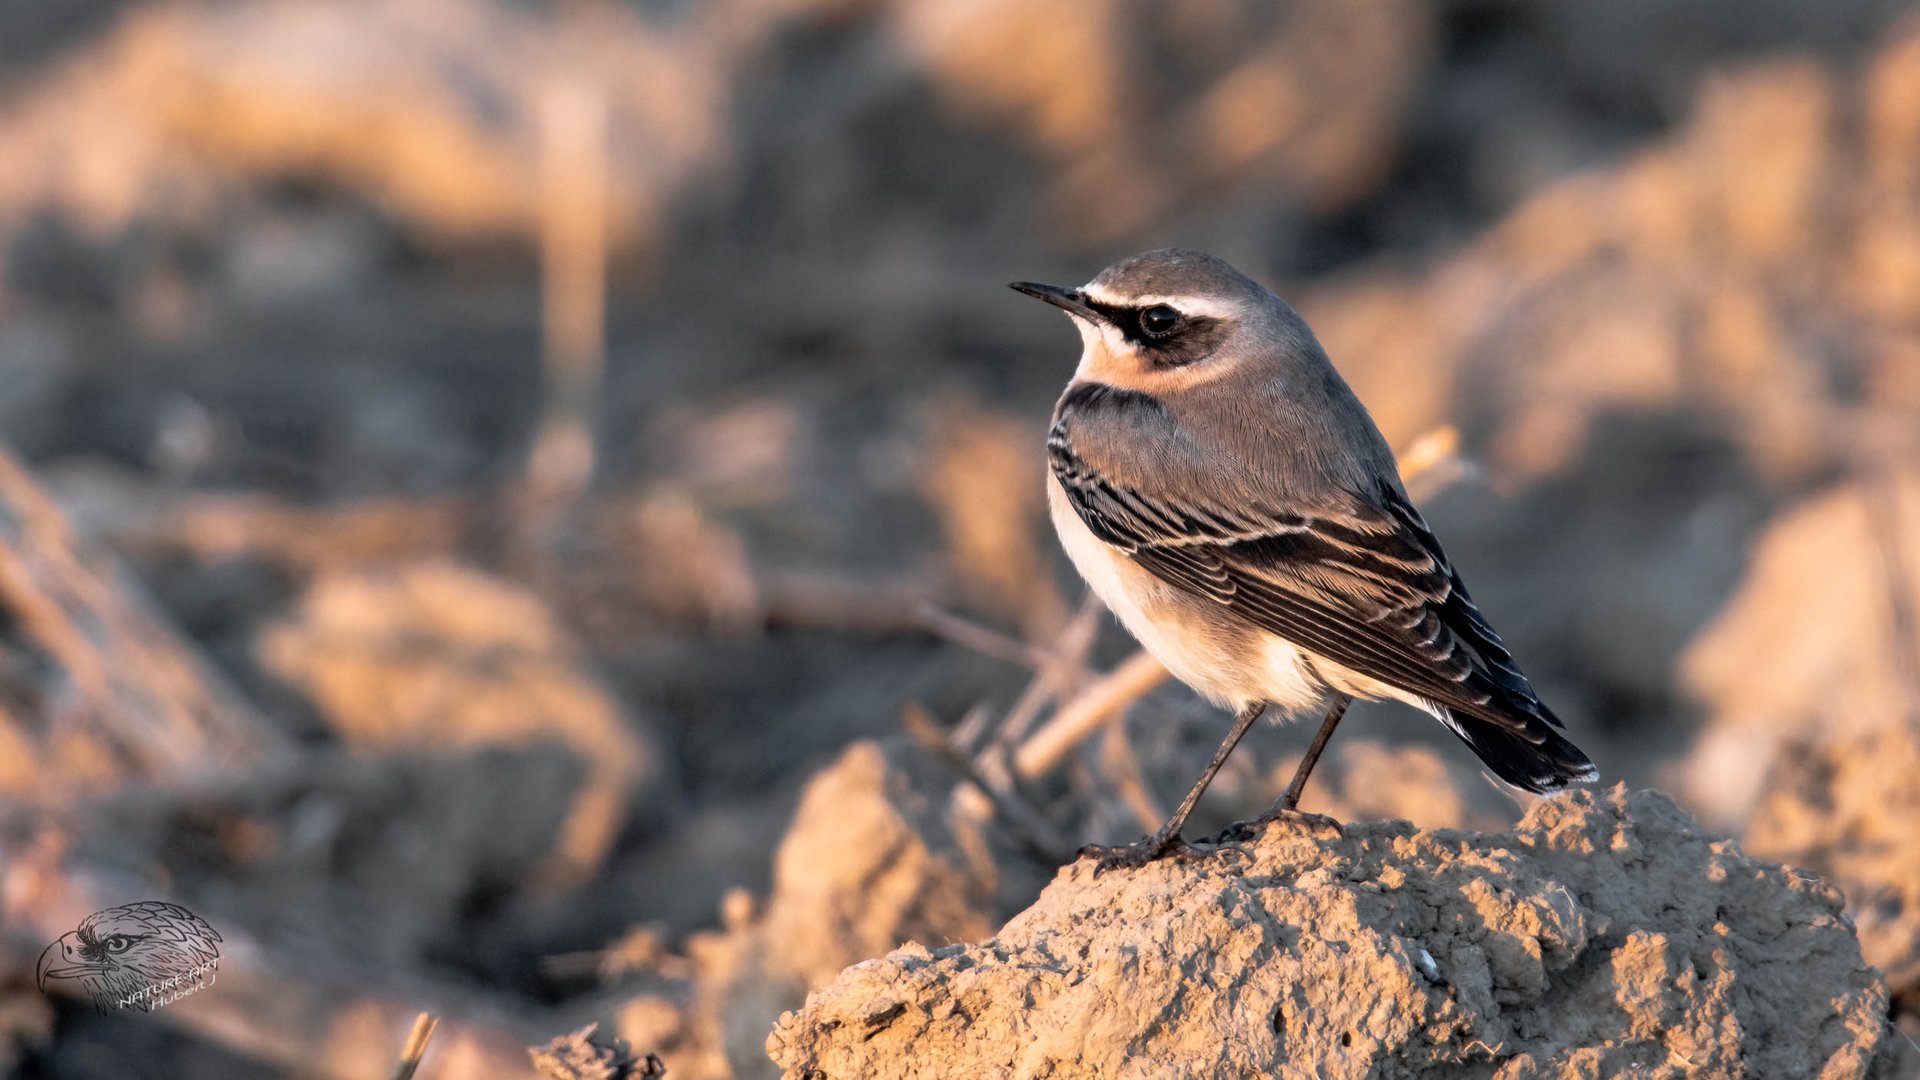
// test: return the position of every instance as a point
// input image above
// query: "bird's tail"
(1536, 758)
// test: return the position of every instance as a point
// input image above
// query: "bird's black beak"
(1071, 301)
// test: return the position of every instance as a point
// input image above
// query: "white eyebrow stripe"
(1186, 305)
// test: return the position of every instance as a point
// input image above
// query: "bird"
(137, 955)
(1227, 496)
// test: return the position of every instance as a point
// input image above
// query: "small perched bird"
(1223, 491)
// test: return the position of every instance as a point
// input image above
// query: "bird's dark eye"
(118, 943)
(1159, 320)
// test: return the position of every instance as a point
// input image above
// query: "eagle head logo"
(135, 956)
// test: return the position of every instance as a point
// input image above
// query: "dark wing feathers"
(1362, 583)
(1404, 643)
(1130, 520)
(1367, 590)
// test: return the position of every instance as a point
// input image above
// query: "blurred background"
(532, 511)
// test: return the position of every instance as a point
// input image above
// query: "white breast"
(1225, 659)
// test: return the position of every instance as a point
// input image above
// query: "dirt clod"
(1604, 935)
(586, 1055)
(438, 654)
(1848, 810)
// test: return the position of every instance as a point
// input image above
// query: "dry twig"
(1022, 817)
(1122, 767)
(573, 255)
(983, 640)
(1063, 673)
(1099, 702)
(416, 1048)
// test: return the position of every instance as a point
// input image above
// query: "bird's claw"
(1241, 832)
(1139, 853)
(1303, 817)
(1150, 849)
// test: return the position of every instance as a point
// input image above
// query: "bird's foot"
(1317, 822)
(1241, 832)
(1139, 853)
(1145, 850)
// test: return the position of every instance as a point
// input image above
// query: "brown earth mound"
(1604, 935)
(1848, 809)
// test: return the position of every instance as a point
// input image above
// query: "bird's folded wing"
(1358, 578)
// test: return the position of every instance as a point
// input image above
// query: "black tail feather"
(1540, 759)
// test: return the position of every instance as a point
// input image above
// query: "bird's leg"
(1141, 852)
(1289, 804)
(1291, 800)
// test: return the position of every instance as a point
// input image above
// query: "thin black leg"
(1151, 848)
(1291, 800)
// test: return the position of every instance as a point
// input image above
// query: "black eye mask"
(1165, 337)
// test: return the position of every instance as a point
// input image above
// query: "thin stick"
(416, 1048)
(1023, 818)
(1122, 767)
(1099, 702)
(1062, 674)
(972, 727)
(982, 640)
(573, 258)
